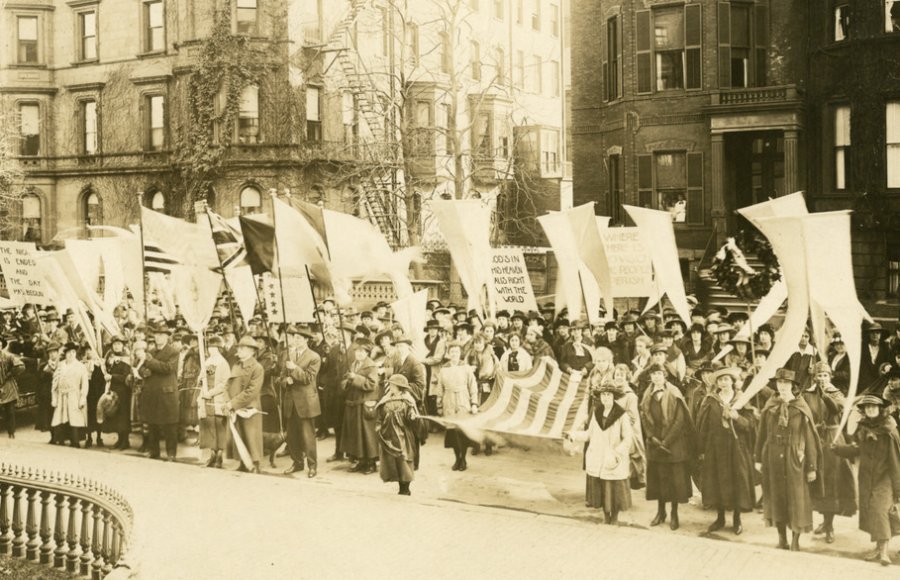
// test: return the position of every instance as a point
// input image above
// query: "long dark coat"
(300, 393)
(358, 436)
(840, 376)
(788, 451)
(44, 397)
(159, 393)
(119, 370)
(668, 421)
(414, 371)
(839, 485)
(397, 422)
(331, 395)
(877, 445)
(727, 447)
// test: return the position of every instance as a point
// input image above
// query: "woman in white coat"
(69, 395)
(457, 395)
(609, 435)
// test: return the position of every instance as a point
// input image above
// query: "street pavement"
(516, 514)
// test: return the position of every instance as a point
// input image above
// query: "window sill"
(84, 62)
(151, 54)
(26, 65)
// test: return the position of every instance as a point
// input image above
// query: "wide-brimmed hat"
(607, 387)
(403, 340)
(70, 346)
(301, 330)
(400, 381)
(381, 335)
(248, 342)
(53, 345)
(739, 340)
(874, 327)
(724, 328)
(659, 347)
(215, 341)
(786, 375)
(654, 368)
(161, 328)
(432, 324)
(870, 400)
(733, 372)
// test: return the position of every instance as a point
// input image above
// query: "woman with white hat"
(70, 390)
(726, 437)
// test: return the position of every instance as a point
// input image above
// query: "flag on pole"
(259, 244)
(315, 216)
(299, 245)
(229, 241)
(158, 260)
(186, 242)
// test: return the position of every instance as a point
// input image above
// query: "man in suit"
(301, 406)
(159, 396)
(244, 388)
(414, 371)
(874, 354)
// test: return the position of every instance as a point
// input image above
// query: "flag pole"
(274, 193)
(221, 265)
(140, 196)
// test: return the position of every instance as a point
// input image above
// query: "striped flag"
(229, 242)
(157, 260)
(544, 403)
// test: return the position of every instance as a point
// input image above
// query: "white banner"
(410, 314)
(512, 284)
(298, 304)
(24, 280)
(629, 263)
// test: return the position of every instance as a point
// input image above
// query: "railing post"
(18, 544)
(97, 564)
(72, 537)
(59, 533)
(87, 556)
(107, 533)
(46, 536)
(31, 547)
(4, 518)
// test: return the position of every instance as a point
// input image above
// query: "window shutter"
(619, 69)
(644, 56)
(692, 46)
(645, 180)
(605, 89)
(695, 188)
(762, 41)
(724, 44)
(146, 126)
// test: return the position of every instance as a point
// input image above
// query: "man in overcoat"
(301, 405)
(244, 389)
(159, 396)
(789, 455)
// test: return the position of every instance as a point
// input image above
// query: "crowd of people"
(662, 417)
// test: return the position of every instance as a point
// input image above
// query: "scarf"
(608, 421)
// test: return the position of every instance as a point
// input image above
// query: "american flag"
(157, 260)
(229, 241)
(544, 403)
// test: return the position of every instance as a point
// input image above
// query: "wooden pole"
(221, 266)
(140, 197)
(274, 193)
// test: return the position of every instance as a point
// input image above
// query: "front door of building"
(754, 171)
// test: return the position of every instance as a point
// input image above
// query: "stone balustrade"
(63, 521)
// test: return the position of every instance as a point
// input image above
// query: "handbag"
(894, 518)
(369, 413)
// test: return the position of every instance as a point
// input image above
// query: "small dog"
(271, 444)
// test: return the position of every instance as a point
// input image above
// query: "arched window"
(251, 200)
(91, 210)
(158, 202)
(31, 218)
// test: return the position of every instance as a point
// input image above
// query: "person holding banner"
(211, 402)
(876, 444)
(301, 370)
(457, 392)
(575, 355)
(670, 445)
(827, 405)
(244, 388)
(516, 359)
(789, 455)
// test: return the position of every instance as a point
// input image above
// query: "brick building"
(702, 107)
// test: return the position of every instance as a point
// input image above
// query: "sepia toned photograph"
(482, 289)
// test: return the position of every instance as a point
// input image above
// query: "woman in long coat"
(621, 379)
(457, 393)
(70, 391)
(827, 404)
(397, 420)
(359, 439)
(96, 388)
(789, 455)
(670, 445)
(726, 440)
(876, 444)
(607, 465)
(118, 365)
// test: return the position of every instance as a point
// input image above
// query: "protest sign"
(24, 281)
(297, 305)
(512, 284)
(629, 262)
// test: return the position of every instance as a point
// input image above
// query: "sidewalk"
(204, 523)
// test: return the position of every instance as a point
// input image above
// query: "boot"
(606, 516)
(737, 528)
(883, 554)
(99, 440)
(718, 524)
(829, 528)
(219, 459)
(488, 449)
(456, 463)
(462, 460)
(212, 459)
(795, 542)
(255, 468)
(613, 518)
(782, 538)
(404, 488)
(876, 554)
(89, 443)
(660, 515)
(673, 523)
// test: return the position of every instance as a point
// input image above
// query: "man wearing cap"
(244, 388)
(827, 405)
(301, 371)
(159, 395)
(874, 354)
(789, 455)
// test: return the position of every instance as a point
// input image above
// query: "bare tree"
(11, 174)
